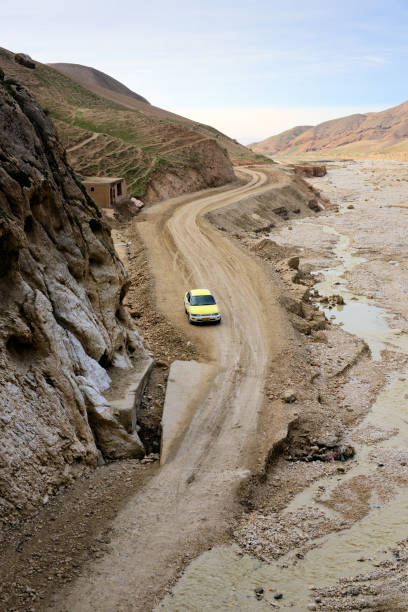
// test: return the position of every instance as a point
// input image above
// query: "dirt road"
(334, 536)
(188, 505)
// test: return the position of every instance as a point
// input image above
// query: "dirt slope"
(288, 197)
(146, 150)
(103, 85)
(92, 78)
(383, 135)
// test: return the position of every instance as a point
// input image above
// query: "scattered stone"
(320, 336)
(350, 206)
(259, 593)
(137, 203)
(160, 363)
(314, 205)
(319, 321)
(20, 546)
(302, 326)
(290, 304)
(293, 262)
(289, 396)
(150, 458)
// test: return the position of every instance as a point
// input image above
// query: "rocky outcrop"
(24, 60)
(62, 322)
(309, 170)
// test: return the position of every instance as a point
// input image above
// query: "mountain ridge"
(372, 134)
(83, 74)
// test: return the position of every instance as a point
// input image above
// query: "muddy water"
(357, 316)
(224, 578)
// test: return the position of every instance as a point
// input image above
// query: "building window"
(92, 188)
(119, 189)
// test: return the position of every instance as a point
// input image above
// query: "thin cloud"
(373, 59)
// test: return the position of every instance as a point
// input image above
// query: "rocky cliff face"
(61, 317)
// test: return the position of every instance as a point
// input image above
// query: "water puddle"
(388, 414)
(224, 579)
(357, 316)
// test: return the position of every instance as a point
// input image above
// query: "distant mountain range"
(383, 135)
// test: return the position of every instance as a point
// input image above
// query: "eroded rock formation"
(61, 316)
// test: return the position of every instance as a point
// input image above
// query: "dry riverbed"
(331, 534)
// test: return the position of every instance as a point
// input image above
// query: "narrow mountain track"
(82, 143)
(188, 505)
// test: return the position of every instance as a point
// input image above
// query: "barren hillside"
(94, 79)
(158, 157)
(111, 89)
(383, 135)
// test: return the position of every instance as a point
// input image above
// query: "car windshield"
(202, 300)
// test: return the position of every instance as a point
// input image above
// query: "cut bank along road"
(189, 503)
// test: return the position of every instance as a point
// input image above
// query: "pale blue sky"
(250, 68)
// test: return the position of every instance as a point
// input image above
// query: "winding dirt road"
(188, 505)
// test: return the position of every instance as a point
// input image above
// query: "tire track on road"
(190, 502)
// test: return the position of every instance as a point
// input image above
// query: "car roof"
(200, 292)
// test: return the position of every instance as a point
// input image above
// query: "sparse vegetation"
(129, 143)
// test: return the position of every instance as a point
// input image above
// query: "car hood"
(210, 309)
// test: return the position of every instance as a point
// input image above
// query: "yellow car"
(201, 307)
